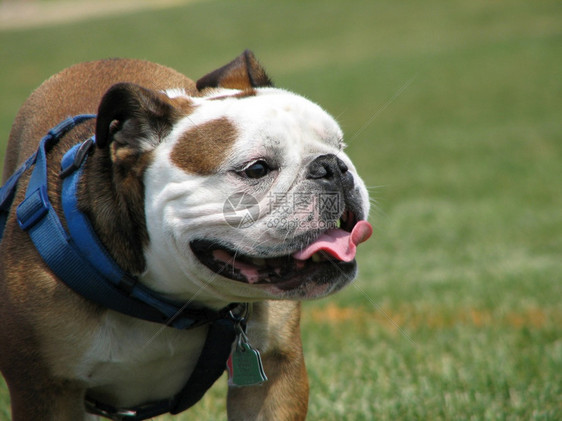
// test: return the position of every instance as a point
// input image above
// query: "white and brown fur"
(54, 345)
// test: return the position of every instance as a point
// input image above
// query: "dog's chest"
(131, 361)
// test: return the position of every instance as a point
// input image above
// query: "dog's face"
(273, 178)
(249, 195)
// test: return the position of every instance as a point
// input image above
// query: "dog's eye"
(258, 169)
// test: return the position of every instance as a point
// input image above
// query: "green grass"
(452, 115)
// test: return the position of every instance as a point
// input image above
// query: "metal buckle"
(241, 316)
(116, 415)
(79, 157)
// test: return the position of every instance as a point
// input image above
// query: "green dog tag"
(245, 366)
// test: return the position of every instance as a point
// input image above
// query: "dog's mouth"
(332, 253)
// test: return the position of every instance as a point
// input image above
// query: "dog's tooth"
(258, 261)
(316, 258)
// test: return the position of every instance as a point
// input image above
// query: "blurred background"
(452, 113)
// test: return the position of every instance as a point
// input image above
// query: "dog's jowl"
(155, 231)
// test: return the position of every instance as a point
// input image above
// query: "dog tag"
(245, 366)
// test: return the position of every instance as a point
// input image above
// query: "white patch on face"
(282, 128)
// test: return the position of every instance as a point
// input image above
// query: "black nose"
(327, 167)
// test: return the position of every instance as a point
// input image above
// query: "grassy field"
(452, 112)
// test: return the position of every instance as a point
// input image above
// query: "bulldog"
(173, 233)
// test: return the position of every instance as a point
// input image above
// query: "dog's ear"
(244, 72)
(132, 115)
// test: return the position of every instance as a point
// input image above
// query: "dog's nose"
(327, 167)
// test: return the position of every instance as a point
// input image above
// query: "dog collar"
(78, 259)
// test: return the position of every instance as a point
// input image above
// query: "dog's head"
(248, 193)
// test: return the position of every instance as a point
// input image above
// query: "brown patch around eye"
(204, 148)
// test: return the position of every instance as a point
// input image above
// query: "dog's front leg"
(274, 330)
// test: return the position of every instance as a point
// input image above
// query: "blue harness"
(78, 259)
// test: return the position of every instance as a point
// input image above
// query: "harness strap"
(7, 191)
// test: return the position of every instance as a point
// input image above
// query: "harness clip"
(79, 156)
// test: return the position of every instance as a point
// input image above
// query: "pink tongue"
(338, 243)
